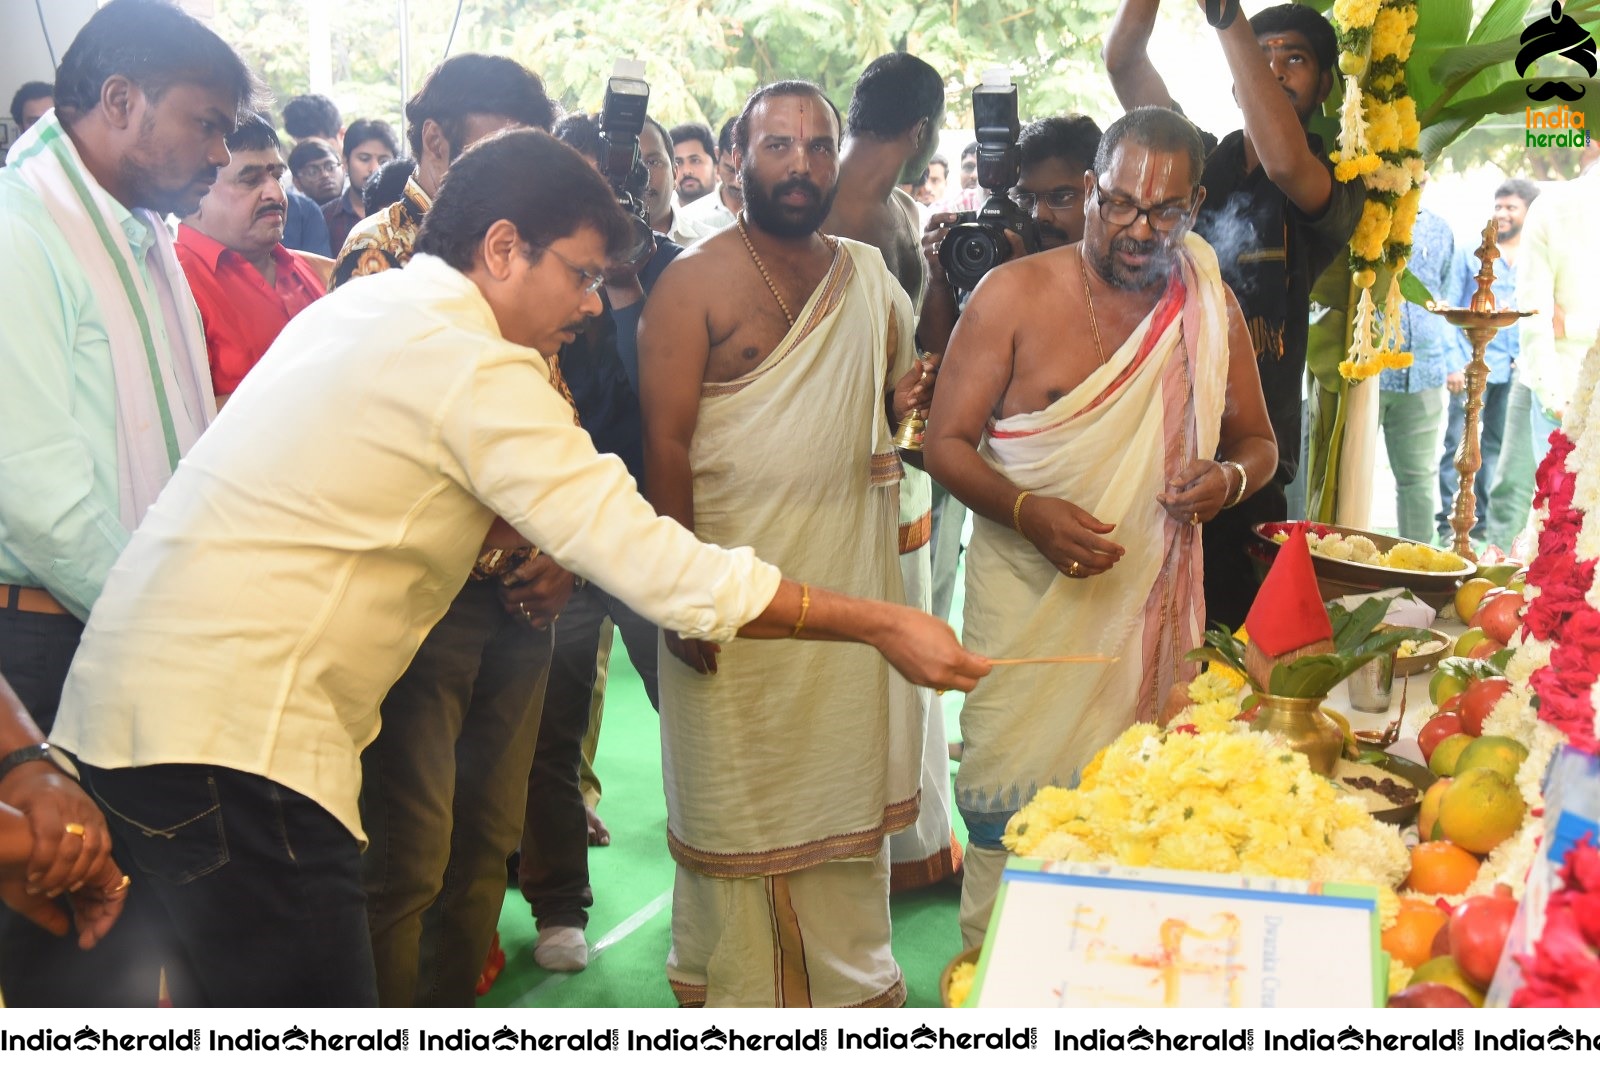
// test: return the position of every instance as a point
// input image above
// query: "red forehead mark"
(1151, 174)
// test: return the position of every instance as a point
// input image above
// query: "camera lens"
(970, 251)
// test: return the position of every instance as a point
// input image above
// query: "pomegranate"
(1478, 930)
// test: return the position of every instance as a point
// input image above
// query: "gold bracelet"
(1016, 512)
(1244, 480)
(805, 606)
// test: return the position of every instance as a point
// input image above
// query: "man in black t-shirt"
(1277, 218)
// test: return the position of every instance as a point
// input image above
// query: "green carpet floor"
(629, 926)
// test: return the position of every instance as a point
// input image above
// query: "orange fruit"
(1441, 868)
(1410, 940)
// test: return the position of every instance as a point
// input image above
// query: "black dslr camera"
(621, 121)
(978, 242)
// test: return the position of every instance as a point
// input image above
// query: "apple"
(1469, 640)
(1478, 930)
(1437, 730)
(1429, 996)
(1485, 649)
(1452, 704)
(1478, 701)
(1499, 614)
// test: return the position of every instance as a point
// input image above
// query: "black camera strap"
(1221, 13)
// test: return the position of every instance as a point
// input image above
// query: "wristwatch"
(26, 755)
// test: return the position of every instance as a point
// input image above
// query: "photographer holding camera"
(1086, 455)
(602, 369)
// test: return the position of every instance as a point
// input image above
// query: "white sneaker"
(561, 949)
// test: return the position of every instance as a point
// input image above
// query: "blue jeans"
(256, 888)
(443, 791)
(1491, 438)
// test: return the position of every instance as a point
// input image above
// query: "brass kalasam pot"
(1300, 722)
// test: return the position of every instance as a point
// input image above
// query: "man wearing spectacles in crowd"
(1277, 219)
(1082, 399)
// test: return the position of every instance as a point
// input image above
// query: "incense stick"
(1055, 660)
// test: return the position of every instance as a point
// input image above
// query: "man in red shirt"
(248, 286)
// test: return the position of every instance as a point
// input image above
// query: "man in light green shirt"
(104, 372)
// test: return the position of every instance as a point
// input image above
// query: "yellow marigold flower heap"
(1217, 800)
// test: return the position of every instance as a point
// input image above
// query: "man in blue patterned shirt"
(1411, 403)
(1505, 402)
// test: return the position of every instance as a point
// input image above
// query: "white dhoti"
(788, 769)
(925, 853)
(1109, 446)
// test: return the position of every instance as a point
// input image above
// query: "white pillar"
(1358, 456)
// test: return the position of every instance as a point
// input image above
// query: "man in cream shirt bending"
(233, 668)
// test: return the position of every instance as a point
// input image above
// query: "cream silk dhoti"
(788, 769)
(1109, 446)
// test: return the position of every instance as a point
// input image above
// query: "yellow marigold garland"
(1378, 144)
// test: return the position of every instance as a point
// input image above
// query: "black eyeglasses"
(591, 282)
(1055, 199)
(1163, 219)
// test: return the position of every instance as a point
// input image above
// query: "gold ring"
(75, 828)
(1075, 570)
(118, 890)
(525, 613)
(1194, 519)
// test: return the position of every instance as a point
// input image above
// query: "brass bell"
(909, 434)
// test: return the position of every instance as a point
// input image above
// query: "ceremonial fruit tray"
(1341, 578)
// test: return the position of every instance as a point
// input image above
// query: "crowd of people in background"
(447, 369)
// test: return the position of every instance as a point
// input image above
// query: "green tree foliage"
(702, 57)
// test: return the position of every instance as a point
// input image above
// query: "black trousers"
(553, 872)
(37, 969)
(257, 888)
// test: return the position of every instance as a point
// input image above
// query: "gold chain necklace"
(1083, 269)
